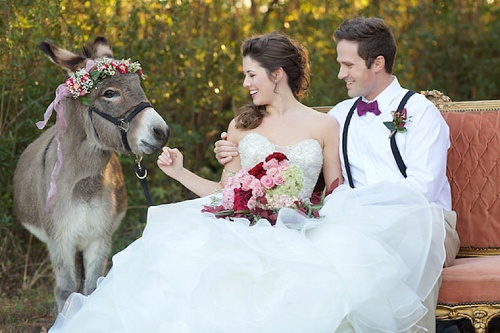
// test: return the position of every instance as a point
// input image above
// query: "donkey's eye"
(111, 93)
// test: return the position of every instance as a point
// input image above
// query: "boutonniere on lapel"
(399, 120)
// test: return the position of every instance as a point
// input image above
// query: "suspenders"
(394, 147)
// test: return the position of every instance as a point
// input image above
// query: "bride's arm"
(171, 162)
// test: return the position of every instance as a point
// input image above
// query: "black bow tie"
(364, 107)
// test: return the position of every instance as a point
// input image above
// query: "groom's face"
(359, 79)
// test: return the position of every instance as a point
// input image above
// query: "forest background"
(190, 52)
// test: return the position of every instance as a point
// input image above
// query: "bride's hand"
(171, 162)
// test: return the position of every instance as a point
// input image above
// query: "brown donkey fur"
(90, 199)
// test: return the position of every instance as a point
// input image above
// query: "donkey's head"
(107, 99)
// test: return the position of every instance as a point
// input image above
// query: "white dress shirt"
(423, 147)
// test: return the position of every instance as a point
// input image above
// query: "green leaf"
(95, 75)
(389, 125)
(85, 100)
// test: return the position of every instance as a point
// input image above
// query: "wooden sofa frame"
(471, 286)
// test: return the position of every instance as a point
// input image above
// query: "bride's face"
(258, 82)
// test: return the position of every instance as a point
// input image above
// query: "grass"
(27, 303)
(27, 311)
(26, 282)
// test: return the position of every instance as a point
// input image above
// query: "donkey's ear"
(64, 58)
(98, 49)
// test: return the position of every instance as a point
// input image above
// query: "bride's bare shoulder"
(322, 120)
(234, 133)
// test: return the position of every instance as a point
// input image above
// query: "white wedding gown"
(364, 266)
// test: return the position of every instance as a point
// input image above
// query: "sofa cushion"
(471, 280)
(474, 172)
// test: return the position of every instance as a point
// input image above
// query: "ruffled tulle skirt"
(364, 266)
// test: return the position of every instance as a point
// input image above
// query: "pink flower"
(228, 197)
(271, 164)
(278, 179)
(246, 182)
(267, 181)
(252, 202)
(260, 192)
(257, 188)
(273, 171)
(103, 67)
(85, 78)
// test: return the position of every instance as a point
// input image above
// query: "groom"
(416, 152)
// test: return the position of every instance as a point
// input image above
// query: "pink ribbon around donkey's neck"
(59, 105)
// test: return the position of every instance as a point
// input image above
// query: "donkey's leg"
(95, 258)
(62, 255)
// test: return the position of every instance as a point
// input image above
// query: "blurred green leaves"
(189, 50)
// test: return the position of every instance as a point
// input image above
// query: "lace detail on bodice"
(307, 155)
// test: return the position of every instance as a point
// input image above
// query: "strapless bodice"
(306, 154)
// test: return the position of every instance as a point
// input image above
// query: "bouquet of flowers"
(261, 191)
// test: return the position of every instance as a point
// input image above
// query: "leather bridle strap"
(122, 123)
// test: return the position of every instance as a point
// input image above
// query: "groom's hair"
(373, 36)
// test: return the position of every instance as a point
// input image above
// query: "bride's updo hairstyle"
(272, 51)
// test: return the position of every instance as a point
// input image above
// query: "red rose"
(241, 199)
(401, 118)
(276, 155)
(257, 171)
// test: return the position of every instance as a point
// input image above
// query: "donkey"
(88, 189)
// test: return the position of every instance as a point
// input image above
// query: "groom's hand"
(225, 150)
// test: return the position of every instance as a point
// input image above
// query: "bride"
(364, 265)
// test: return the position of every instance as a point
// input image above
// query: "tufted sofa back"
(474, 172)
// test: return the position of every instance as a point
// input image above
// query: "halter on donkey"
(69, 189)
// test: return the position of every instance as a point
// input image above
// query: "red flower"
(236, 200)
(121, 67)
(241, 199)
(258, 171)
(399, 120)
(276, 155)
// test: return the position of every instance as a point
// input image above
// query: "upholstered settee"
(471, 285)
